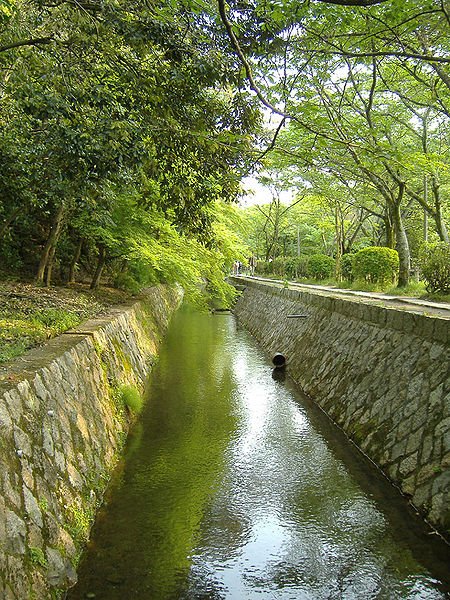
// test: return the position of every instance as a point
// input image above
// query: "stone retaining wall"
(62, 427)
(382, 374)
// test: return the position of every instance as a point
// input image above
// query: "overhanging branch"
(30, 42)
(353, 2)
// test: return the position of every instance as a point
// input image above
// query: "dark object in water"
(279, 361)
(279, 374)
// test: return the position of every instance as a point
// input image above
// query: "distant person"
(252, 264)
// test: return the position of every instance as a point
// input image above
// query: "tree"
(336, 76)
(122, 126)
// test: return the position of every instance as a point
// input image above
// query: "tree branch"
(353, 2)
(248, 70)
(30, 42)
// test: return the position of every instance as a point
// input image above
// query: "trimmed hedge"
(320, 266)
(376, 264)
(316, 266)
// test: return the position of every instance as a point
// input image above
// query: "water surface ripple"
(234, 486)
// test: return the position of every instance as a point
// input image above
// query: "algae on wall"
(62, 426)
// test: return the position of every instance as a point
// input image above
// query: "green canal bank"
(380, 369)
(62, 430)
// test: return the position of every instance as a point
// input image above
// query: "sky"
(255, 193)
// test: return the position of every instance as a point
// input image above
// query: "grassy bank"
(30, 315)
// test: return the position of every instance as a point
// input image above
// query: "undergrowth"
(30, 315)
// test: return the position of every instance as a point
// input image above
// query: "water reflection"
(230, 490)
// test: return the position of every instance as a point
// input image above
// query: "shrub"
(263, 268)
(131, 398)
(376, 264)
(279, 266)
(296, 266)
(346, 266)
(435, 266)
(320, 266)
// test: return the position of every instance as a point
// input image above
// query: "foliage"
(19, 333)
(55, 320)
(435, 267)
(79, 522)
(364, 123)
(37, 556)
(317, 266)
(320, 266)
(346, 267)
(30, 315)
(131, 398)
(415, 289)
(123, 123)
(375, 264)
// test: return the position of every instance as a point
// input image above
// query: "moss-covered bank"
(62, 425)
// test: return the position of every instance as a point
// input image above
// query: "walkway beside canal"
(418, 305)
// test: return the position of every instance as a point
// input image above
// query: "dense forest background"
(127, 127)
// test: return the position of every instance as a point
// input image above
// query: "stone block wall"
(61, 431)
(382, 374)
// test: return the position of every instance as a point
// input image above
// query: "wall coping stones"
(405, 318)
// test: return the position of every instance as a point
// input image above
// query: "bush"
(131, 398)
(296, 266)
(346, 266)
(435, 266)
(317, 266)
(279, 266)
(320, 266)
(376, 264)
(263, 268)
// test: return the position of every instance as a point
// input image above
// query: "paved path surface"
(436, 309)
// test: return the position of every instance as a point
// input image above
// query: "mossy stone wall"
(62, 427)
(381, 373)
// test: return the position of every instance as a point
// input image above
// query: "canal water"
(235, 486)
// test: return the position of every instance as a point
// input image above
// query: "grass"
(415, 289)
(37, 557)
(131, 398)
(20, 332)
(30, 315)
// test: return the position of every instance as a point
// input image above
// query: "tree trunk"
(402, 244)
(390, 228)
(50, 245)
(340, 249)
(75, 259)
(441, 227)
(48, 271)
(100, 264)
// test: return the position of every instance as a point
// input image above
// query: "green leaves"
(127, 118)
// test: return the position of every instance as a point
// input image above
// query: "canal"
(235, 486)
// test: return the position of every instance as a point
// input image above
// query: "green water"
(234, 486)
